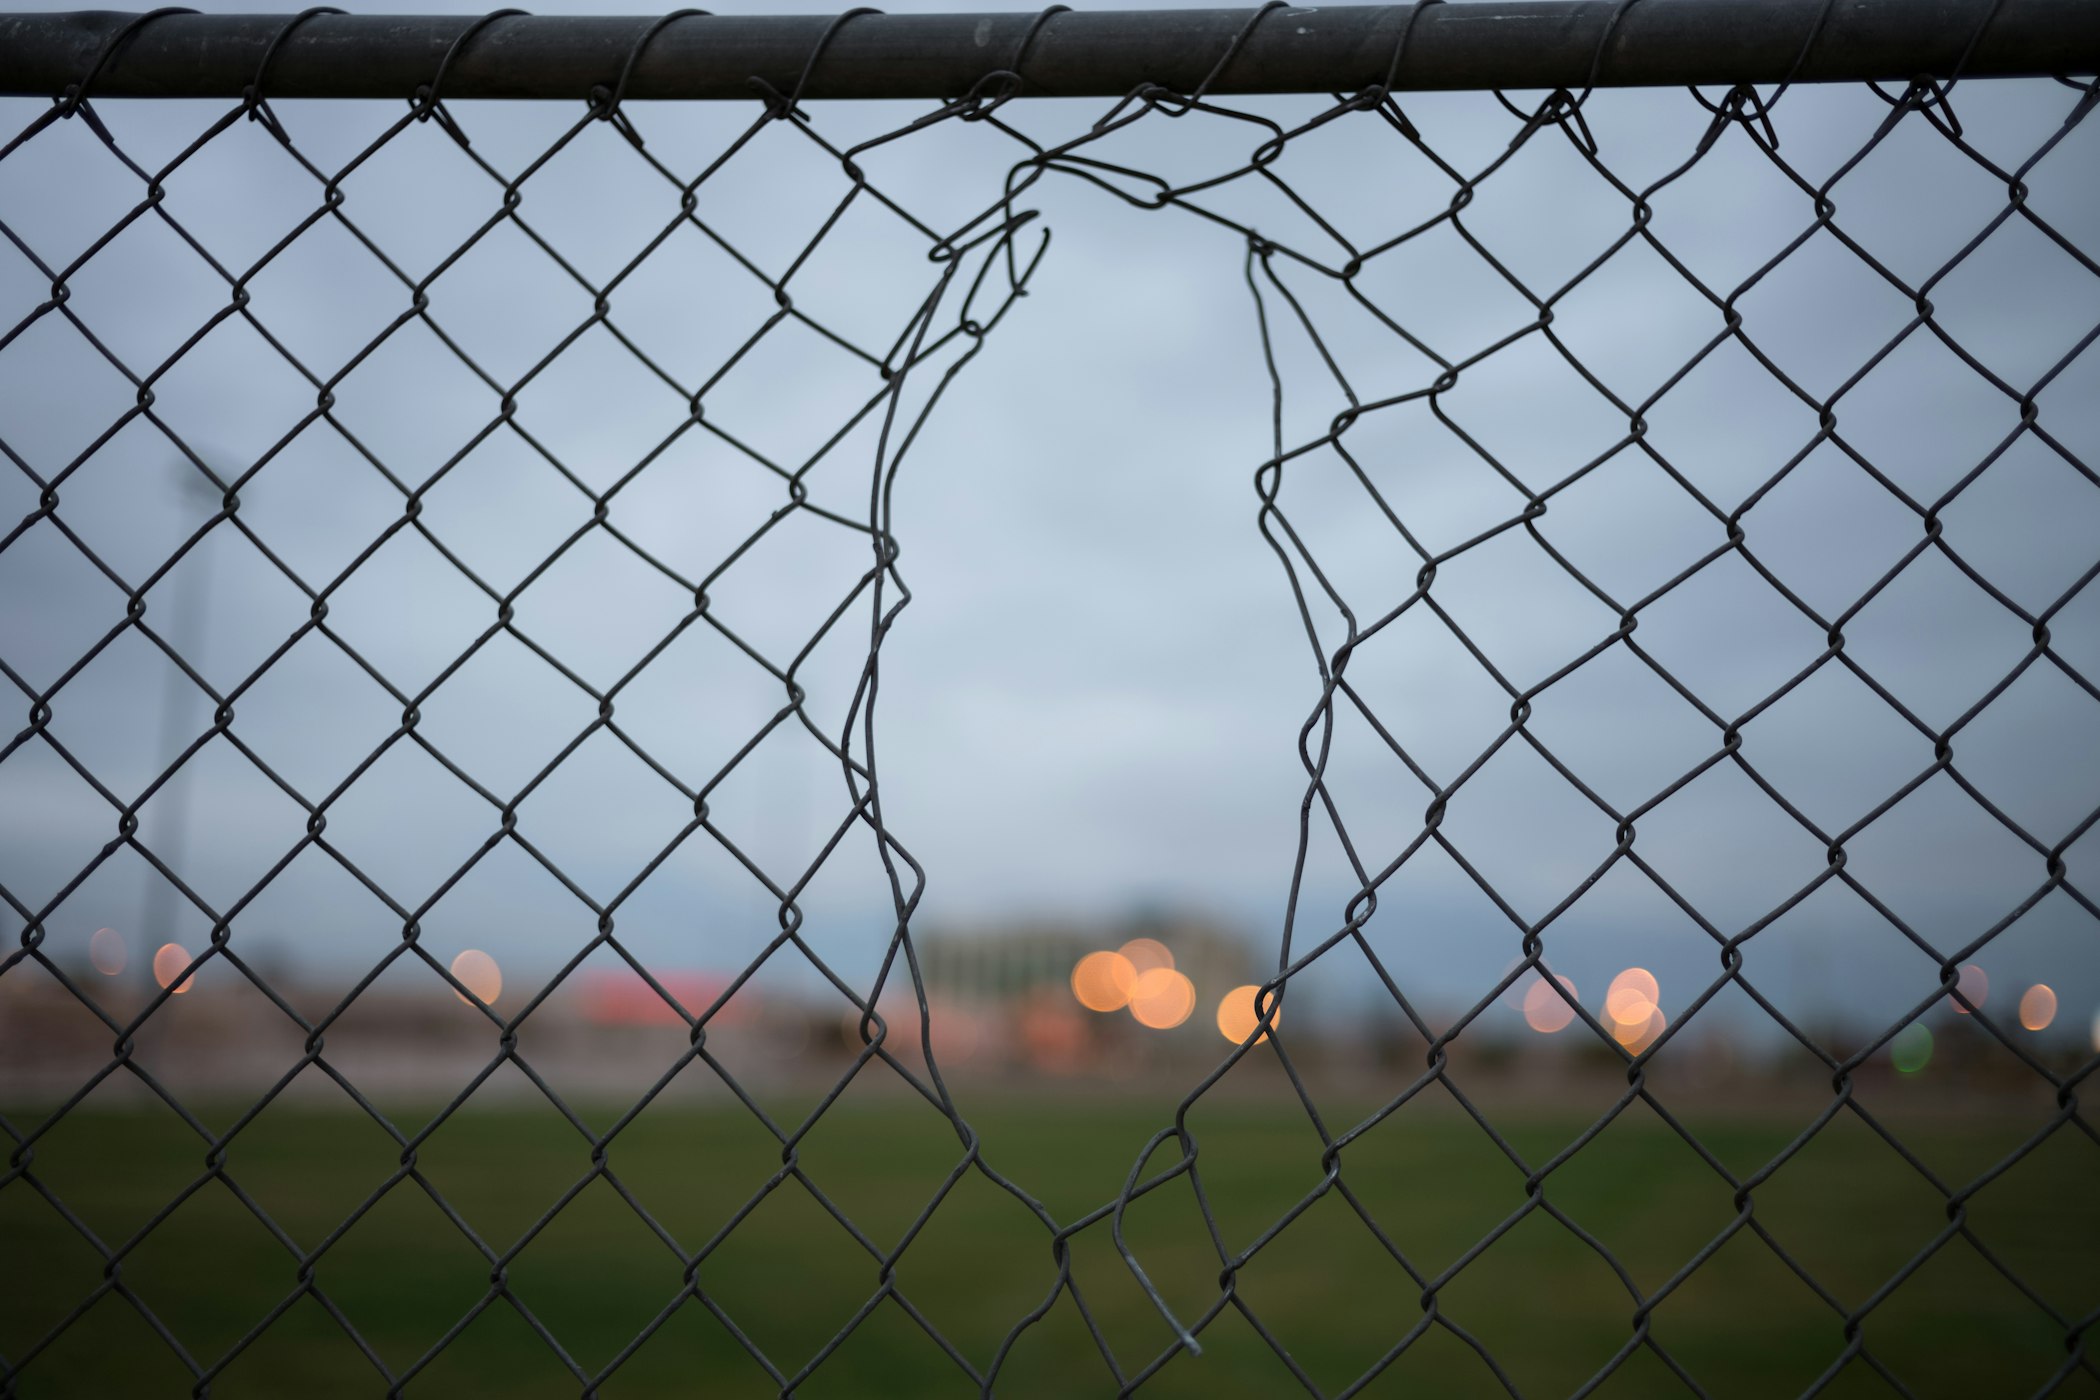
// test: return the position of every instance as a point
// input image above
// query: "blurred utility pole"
(184, 629)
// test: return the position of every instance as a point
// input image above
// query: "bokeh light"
(478, 973)
(2037, 1007)
(1545, 1011)
(1911, 1050)
(168, 962)
(1145, 954)
(1972, 984)
(1237, 1018)
(1631, 999)
(1638, 1037)
(1162, 998)
(1102, 981)
(2096, 1032)
(106, 951)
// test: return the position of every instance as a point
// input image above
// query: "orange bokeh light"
(1237, 1018)
(1162, 998)
(1972, 984)
(1102, 981)
(1145, 954)
(106, 951)
(168, 962)
(1631, 999)
(478, 973)
(1638, 1037)
(2037, 1007)
(1544, 1009)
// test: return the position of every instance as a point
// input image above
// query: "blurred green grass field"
(1549, 1309)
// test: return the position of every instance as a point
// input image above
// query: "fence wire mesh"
(977, 270)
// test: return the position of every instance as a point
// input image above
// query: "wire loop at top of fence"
(1509, 44)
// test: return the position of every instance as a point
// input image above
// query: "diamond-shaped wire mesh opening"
(1967, 1324)
(2049, 329)
(364, 611)
(112, 1343)
(1696, 580)
(690, 1340)
(1983, 520)
(303, 1345)
(411, 403)
(402, 1319)
(109, 394)
(70, 1267)
(499, 1344)
(102, 495)
(209, 1311)
(1693, 1321)
(769, 1273)
(187, 295)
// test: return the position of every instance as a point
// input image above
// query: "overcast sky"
(1092, 704)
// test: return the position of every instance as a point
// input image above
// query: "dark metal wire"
(981, 268)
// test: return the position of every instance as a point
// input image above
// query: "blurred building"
(1058, 998)
(985, 967)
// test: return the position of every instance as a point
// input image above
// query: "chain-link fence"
(784, 372)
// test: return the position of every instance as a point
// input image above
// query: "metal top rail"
(1518, 44)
